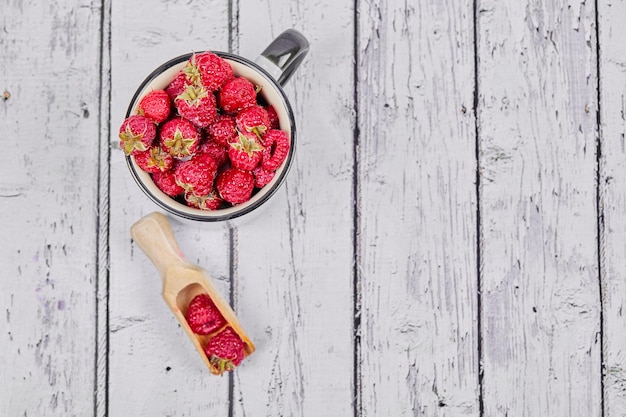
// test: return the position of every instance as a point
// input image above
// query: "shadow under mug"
(271, 70)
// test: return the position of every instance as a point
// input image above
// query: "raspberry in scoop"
(203, 316)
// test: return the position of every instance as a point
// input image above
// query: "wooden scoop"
(182, 281)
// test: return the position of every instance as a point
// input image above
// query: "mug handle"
(282, 57)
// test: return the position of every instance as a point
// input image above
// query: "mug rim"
(288, 161)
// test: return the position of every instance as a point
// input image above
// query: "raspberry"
(177, 86)
(276, 149)
(210, 201)
(155, 105)
(253, 119)
(154, 160)
(203, 316)
(235, 185)
(136, 134)
(196, 174)
(246, 152)
(224, 130)
(225, 350)
(167, 183)
(219, 153)
(180, 138)
(197, 105)
(236, 95)
(262, 177)
(271, 112)
(214, 71)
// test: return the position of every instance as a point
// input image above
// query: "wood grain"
(537, 118)
(49, 165)
(613, 201)
(294, 261)
(417, 256)
(154, 369)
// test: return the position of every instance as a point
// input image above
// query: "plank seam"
(481, 407)
(233, 26)
(232, 272)
(233, 47)
(356, 276)
(101, 393)
(600, 210)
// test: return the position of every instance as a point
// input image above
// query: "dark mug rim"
(269, 193)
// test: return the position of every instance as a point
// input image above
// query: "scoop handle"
(154, 235)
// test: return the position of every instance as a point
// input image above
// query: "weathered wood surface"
(612, 65)
(417, 210)
(48, 197)
(429, 167)
(540, 318)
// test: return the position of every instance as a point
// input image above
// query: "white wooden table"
(451, 240)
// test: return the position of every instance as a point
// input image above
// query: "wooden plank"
(154, 369)
(49, 81)
(418, 209)
(294, 261)
(613, 200)
(537, 116)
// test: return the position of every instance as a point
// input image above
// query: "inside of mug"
(270, 94)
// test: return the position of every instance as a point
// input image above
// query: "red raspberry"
(197, 105)
(136, 134)
(225, 350)
(213, 70)
(180, 138)
(210, 201)
(196, 174)
(155, 105)
(203, 316)
(236, 95)
(224, 130)
(167, 183)
(276, 149)
(253, 119)
(271, 112)
(154, 160)
(246, 152)
(262, 177)
(235, 185)
(177, 86)
(219, 153)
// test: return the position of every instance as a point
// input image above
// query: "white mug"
(271, 71)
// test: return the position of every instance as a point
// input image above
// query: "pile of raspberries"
(209, 139)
